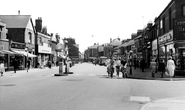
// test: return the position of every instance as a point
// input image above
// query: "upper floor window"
(161, 24)
(170, 19)
(0, 33)
(40, 41)
(30, 37)
(183, 10)
(164, 25)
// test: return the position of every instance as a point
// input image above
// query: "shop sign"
(179, 29)
(166, 37)
(18, 45)
(154, 45)
(179, 45)
(44, 49)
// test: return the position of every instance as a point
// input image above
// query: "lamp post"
(26, 49)
(130, 61)
(66, 54)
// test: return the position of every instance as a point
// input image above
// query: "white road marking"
(140, 98)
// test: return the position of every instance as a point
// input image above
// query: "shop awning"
(24, 53)
(31, 55)
(6, 52)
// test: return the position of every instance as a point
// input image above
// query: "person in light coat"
(2, 69)
(170, 67)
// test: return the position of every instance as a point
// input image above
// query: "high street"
(87, 89)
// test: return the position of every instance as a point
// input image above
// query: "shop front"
(30, 48)
(166, 46)
(44, 55)
(5, 53)
(18, 48)
(179, 36)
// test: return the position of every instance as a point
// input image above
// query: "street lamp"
(26, 49)
(66, 54)
(130, 61)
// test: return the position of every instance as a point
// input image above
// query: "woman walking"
(2, 69)
(170, 67)
(153, 66)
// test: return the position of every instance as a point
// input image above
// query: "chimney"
(18, 12)
(38, 24)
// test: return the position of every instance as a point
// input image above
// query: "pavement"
(173, 103)
(146, 75)
(19, 72)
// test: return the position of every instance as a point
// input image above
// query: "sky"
(88, 21)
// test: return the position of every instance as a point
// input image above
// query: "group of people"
(118, 64)
(15, 65)
(168, 69)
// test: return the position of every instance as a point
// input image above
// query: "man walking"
(15, 65)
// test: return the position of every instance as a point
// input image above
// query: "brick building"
(170, 31)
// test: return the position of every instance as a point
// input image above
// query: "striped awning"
(7, 52)
(24, 53)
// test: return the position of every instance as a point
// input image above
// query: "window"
(183, 10)
(29, 37)
(161, 24)
(170, 19)
(40, 41)
(164, 25)
(0, 33)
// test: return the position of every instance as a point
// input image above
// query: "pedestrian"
(49, 64)
(175, 64)
(117, 65)
(124, 68)
(170, 67)
(142, 64)
(28, 65)
(15, 65)
(108, 66)
(111, 67)
(135, 63)
(153, 67)
(161, 67)
(2, 69)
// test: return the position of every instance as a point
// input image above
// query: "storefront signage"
(18, 45)
(179, 29)
(179, 45)
(166, 37)
(44, 49)
(154, 45)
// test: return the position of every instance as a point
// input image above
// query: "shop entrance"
(181, 59)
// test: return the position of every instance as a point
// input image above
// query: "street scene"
(92, 55)
(88, 88)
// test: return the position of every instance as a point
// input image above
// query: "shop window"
(183, 10)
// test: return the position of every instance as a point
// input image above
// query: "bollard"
(60, 68)
(61, 73)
